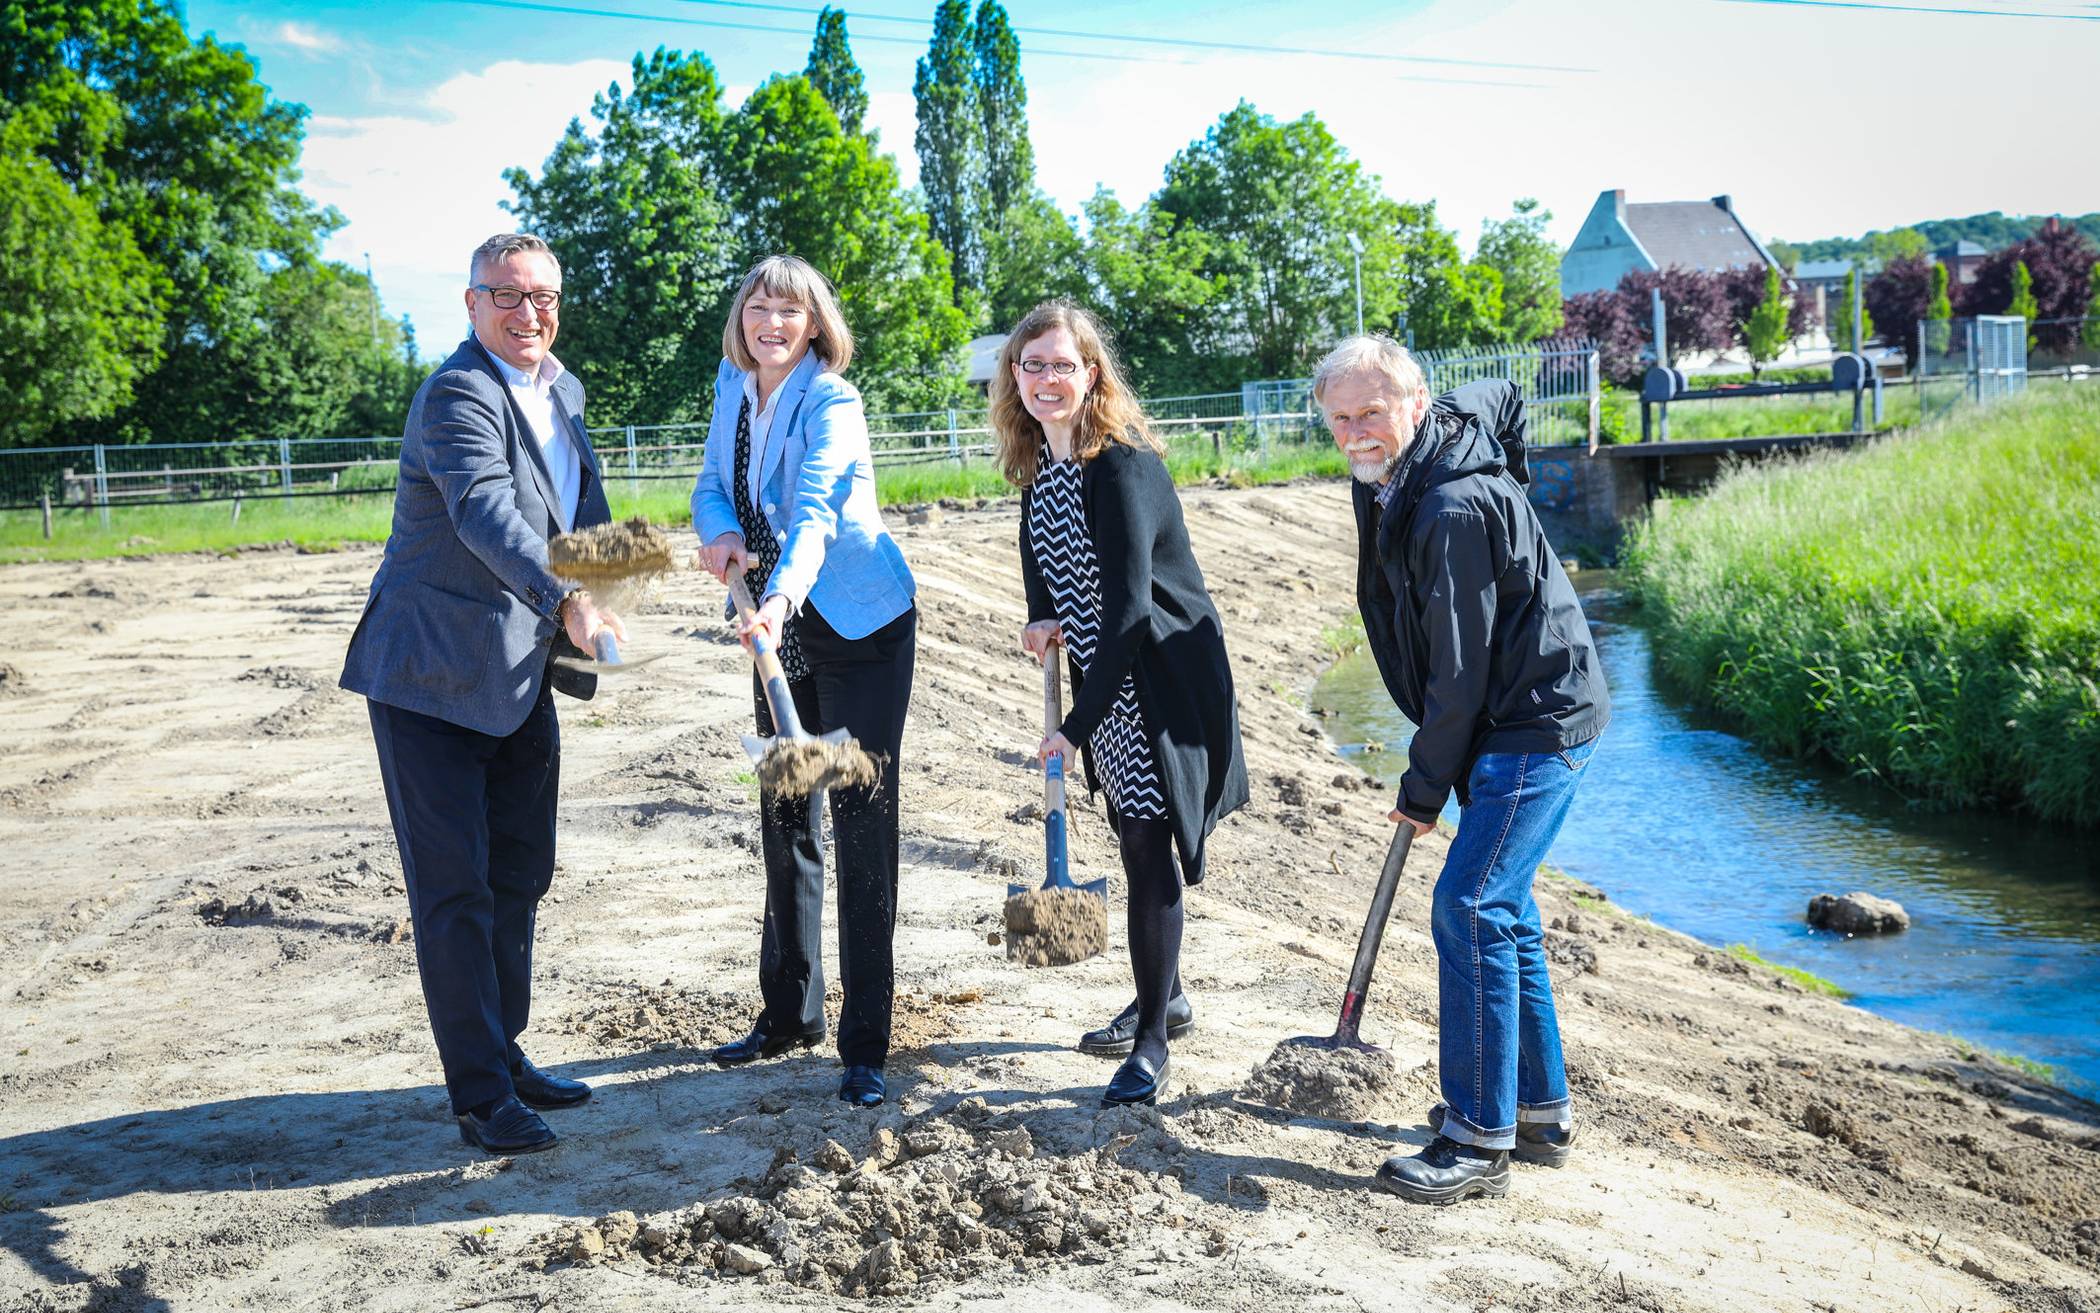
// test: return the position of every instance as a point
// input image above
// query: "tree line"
(160, 271)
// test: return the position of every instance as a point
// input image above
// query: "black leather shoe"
(758, 1044)
(1446, 1172)
(510, 1127)
(1136, 1082)
(1119, 1036)
(862, 1086)
(536, 1089)
(1542, 1144)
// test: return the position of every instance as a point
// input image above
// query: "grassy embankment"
(320, 523)
(1925, 612)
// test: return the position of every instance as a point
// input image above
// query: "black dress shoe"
(536, 1089)
(1135, 1082)
(1446, 1172)
(862, 1086)
(1119, 1036)
(510, 1127)
(1542, 1144)
(758, 1044)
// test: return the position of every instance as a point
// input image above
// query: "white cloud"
(421, 192)
(306, 39)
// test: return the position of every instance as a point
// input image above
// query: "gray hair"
(1373, 352)
(503, 246)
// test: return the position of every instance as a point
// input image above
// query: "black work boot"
(1542, 1144)
(1446, 1172)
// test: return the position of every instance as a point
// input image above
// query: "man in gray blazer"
(454, 655)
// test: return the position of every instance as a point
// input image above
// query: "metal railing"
(1558, 379)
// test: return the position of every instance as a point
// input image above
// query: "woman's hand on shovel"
(770, 616)
(1037, 639)
(726, 551)
(1057, 744)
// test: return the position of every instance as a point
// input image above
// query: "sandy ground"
(220, 1088)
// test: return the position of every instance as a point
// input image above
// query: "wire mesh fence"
(1558, 379)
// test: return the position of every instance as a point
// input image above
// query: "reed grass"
(1924, 612)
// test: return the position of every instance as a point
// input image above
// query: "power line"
(1876, 6)
(1185, 43)
(538, 6)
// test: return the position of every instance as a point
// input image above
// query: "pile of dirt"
(1306, 1076)
(11, 683)
(867, 1207)
(609, 554)
(625, 1017)
(1055, 927)
(799, 768)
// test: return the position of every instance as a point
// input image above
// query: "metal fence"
(1986, 358)
(1558, 379)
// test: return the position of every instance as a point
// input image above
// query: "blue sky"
(1819, 118)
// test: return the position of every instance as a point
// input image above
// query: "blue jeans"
(1498, 1042)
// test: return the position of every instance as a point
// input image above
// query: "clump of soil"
(629, 551)
(1055, 927)
(11, 684)
(865, 1207)
(798, 768)
(1306, 1076)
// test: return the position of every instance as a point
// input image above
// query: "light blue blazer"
(816, 490)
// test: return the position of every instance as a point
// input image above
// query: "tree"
(807, 188)
(1743, 290)
(1841, 318)
(1764, 332)
(1033, 254)
(1695, 309)
(1278, 202)
(1002, 99)
(1444, 300)
(1518, 249)
(638, 217)
(2058, 258)
(1143, 271)
(1884, 248)
(80, 320)
(177, 144)
(1899, 297)
(833, 72)
(951, 146)
(2023, 303)
(1608, 319)
(2091, 334)
(1939, 314)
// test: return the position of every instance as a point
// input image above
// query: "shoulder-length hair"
(1110, 415)
(790, 278)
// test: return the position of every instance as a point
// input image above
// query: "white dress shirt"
(761, 428)
(535, 397)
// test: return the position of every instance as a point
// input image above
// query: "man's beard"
(1374, 471)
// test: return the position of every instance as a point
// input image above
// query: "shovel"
(1345, 1030)
(792, 759)
(605, 658)
(1057, 861)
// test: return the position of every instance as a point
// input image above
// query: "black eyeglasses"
(1061, 368)
(510, 298)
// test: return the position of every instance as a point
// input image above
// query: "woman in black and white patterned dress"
(1111, 579)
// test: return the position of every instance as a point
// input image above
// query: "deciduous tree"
(1765, 332)
(1518, 249)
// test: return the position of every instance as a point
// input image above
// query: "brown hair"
(1110, 414)
(790, 278)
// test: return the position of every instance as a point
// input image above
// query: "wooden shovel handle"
(786, 724)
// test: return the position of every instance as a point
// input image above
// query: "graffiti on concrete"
(1553, 484)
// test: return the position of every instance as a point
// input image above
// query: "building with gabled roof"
(1617, 239)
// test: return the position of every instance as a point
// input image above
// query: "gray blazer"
(460, 618)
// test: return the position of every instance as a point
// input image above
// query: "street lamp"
(1356, 251)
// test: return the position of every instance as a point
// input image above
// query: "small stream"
(1682, 821)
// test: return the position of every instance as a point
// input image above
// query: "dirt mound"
(1055, 927)
(630, 550)
(11, 682)
(633, 1016)
(863, 1207)
(1345, 1084)
(798, 769)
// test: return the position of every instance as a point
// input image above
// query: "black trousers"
(474, 817)
(864, 686)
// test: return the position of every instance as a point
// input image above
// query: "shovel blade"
(590, 667)
(1098, 888)
(756, 746)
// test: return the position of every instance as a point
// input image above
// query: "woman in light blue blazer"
(786, 494)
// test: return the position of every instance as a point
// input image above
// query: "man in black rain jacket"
(1482, 644)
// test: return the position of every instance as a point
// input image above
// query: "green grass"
(323, 523)
(2033, 1069)
(1807, 980)
(1925, 612)
(1344, 636)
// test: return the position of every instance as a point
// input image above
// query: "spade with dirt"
(791, 762)
(1065, 921)
(1339, 1075)
(616, 562)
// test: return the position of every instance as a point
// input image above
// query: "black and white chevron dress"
(1065, 555)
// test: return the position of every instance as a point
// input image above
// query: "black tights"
(1155, 917)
